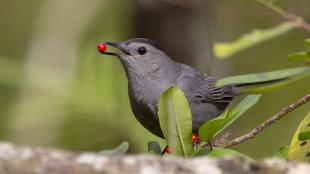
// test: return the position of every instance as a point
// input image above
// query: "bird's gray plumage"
(151, 73)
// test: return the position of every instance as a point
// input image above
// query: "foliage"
(301, 56)
(119, 150)
(176, 121)
(213, 127)
(299, 148)
(282, 77)
(225, 50)
(282, 152)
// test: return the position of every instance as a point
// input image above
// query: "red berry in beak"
(168, 150)
(101, 47)
(195, 137)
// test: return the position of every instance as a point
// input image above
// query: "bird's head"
(139, 54)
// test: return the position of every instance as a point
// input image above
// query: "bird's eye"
(142, 50)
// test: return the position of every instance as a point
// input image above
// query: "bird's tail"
(262, 81)
(254, 87)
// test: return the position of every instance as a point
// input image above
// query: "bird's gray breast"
(144, 96)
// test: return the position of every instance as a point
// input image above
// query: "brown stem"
(299, 21)
(269, 122)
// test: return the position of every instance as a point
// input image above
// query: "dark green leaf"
(176, 121)
(221, 152)
(225, 50)
(282, 152)
(154, 147)
(302, 136)
(211, 128)
(119, 150)
(289, 75)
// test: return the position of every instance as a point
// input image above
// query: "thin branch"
(299, 21)
(269, 122)
(271, 6)
(185, 4)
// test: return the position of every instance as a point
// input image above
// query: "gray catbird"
(150, 71)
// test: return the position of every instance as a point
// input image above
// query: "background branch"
(299, 21)
(268, 122)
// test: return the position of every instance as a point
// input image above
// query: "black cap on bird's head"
(140, 55)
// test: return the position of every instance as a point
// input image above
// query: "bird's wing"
(200, 88)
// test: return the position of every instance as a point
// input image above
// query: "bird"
(150, 71)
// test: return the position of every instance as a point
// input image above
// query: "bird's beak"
(118, 46)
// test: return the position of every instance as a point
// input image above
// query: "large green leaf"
(221, 152)
(224, 50)
(284, 76)
(300, 146)
(211, 128)
(176, 121)
(119, 150)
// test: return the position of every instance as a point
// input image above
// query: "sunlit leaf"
(302, 56)
(224, 50)
(283, 76)
(282, 152)
(119, 150)
(221, 152)
(300, 148)
(176, 121)
(299, 56)
(211, 128)
(154, 147)
(307, 43)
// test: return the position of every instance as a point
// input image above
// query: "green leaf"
(307, 43)
(304, 136)
(300, 145)
(211, 128)
(282, 152)
(225, 50)
(221, 152)
(154, 147)
(299, 56)
(176, 121)
(284, 76)
(200, 152)
(119, 150)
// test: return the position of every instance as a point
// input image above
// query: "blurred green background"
(57, 91)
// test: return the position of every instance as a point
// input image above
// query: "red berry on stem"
(101, 47)
(168, 150)
(195, 137)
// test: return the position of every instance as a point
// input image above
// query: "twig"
(299, 21)
(269, 122)
(185, 4)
